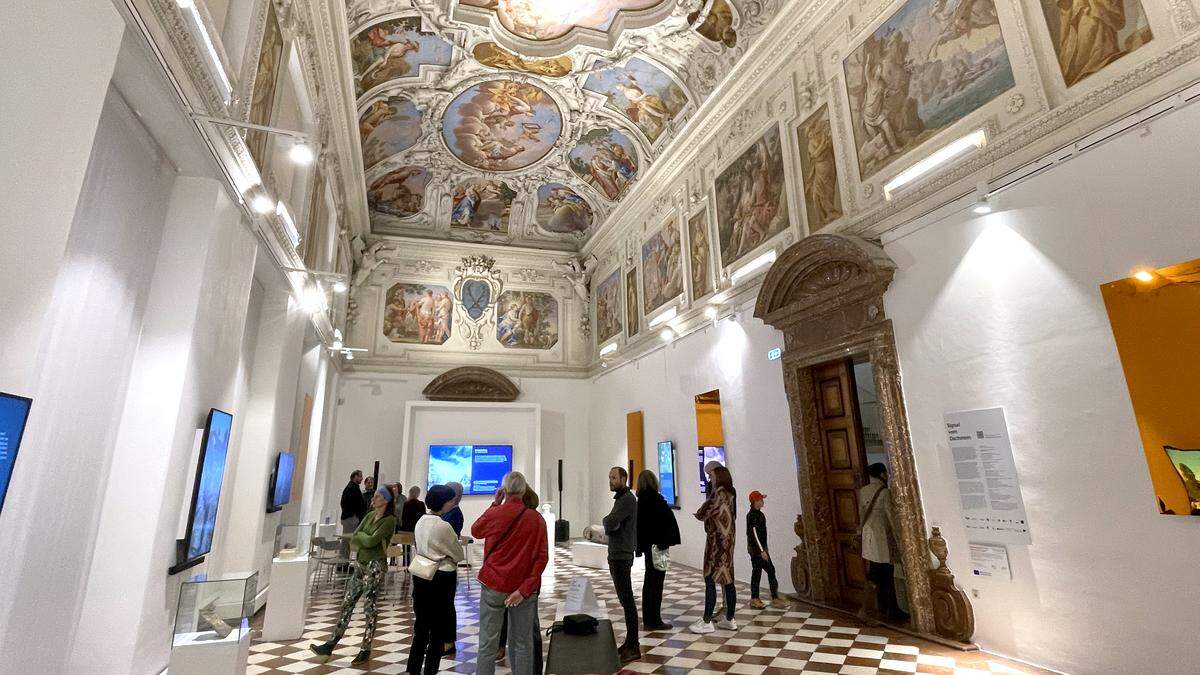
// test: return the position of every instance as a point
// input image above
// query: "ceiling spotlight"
(313, 300)
(982, 205)
(337, 345)
(1143, 276)
(349, 356)
(262, 203)
(711, 312)
(301, 153)
(666, 334)
(339, 286)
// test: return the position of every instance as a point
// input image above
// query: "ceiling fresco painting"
(525, 122)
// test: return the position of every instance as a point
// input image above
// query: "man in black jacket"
(353, 506)
(621, 527)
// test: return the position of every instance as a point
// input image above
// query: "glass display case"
(293, 541)
(214, 610)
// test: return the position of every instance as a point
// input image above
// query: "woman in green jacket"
(373, 536)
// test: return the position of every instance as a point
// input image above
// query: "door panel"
(845, 461)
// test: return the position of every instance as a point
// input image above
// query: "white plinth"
(588, 554)
(287, 600)
(191, 654)
(549, 517)
(561, 611)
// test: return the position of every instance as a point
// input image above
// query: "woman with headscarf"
(373, 536)
(717, 512)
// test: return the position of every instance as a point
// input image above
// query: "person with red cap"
(760, 557)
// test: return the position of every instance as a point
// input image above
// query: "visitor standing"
(621, 526)
(437, 546)
(514, 555)
(453, 516)
(718, 512)
(657, 531)
(352, 503)
(368, 489)
(760, 556)
(531, 501)
(413, 509)
(878, 540)
(372, 537)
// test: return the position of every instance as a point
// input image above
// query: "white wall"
(732, 357)
(370, 427)
(1005, 310)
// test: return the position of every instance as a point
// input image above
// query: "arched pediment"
(472, 383)
(820, 274)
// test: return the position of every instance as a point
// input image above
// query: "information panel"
(989, 490)
(14, 410)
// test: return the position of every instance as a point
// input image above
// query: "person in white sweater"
(432, 599)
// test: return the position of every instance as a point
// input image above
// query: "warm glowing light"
(349, 356)
(982, 208)
(339, 286)
(262, 203)
(667, 335)
(1143, 276)
(711, 312)
(301, 153)
(664, 317)
(753, 266)
(976, 139)
(313, 300)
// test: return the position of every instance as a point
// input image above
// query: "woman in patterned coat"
(720, 532)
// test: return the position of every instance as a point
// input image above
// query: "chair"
(329, 557)
(395, 554)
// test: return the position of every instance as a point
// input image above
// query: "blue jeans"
(524, 632)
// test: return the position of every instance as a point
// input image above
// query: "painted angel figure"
(370, 261)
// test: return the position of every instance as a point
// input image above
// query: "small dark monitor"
(281, 481)
(666, 473)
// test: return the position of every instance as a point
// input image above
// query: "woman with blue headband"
(372, 538)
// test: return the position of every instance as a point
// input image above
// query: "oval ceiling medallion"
(501, 125)
(551, 19)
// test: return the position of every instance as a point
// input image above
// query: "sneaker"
(325, 649)
(364, 655)
(780, 603)
(702, 627)
(629, 653)
(755, 603)
(727, 624)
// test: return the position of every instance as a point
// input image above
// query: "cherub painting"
(501, 125)
(560, 209)
(751, 198)
(542, 20)
(641, 91)
(717, 25)
(419, 314)
(399, 193)
(482, 204)
(387, 127)
(607, 160)
(495, 56)
(394, 49)
(608, 307)
(929, 65)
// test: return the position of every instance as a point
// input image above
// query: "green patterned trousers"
(367, 579)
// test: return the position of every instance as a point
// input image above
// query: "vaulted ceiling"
(525, 122)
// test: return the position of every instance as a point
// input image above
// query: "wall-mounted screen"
(281, 482)
(14, 411)
(206, 494)
(666, 473)
(709, 453)
(479, 468)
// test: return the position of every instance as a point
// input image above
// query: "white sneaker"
(701, 627)
(727, 624)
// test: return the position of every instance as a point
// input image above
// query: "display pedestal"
(287, 600)
(588, 554)
(205, 654)
(548, 516)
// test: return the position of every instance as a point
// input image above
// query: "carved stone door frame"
(826, 294)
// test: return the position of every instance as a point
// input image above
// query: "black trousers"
(757, 565)
(883, 575)
(450, 631)
(710, 599)
(652, 590)
(431, 599)
(620, 571)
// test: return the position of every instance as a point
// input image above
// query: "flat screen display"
(479, 468)
(281, 487)
(206, 495)
(707, 454)
(14, 411)
(666, 472)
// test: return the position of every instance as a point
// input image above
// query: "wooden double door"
(844, 460)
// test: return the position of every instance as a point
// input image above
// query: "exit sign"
(774, 354)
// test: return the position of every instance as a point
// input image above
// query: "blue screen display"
(281, 491)
(14, 410)
(479, 468)
(666, 471)
(207, 493)
(707, 454)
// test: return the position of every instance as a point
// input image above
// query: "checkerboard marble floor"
(801, 640)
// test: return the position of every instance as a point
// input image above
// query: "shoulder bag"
(424, 567)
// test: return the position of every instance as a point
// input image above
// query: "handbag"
(575, 624)
(660, 557)
(424, 567)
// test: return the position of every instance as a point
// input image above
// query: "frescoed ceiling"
(525, 122)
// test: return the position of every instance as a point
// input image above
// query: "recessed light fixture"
(608, 349)
(664, 317)
(349, 356)
(982, 207)
(753, 266)
(666, 334)
(301, 153)
(974, 140)
(1143, 276)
